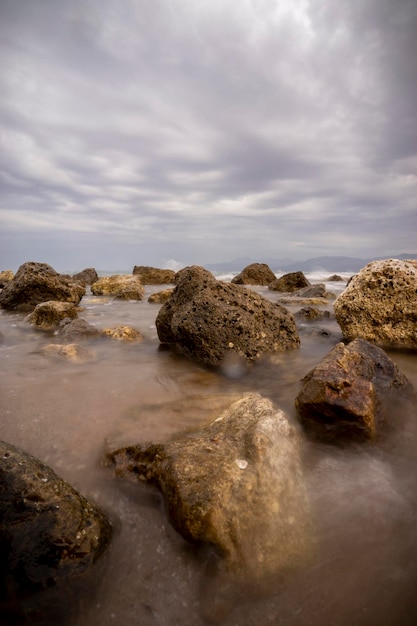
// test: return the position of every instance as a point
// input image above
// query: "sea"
(363, 496)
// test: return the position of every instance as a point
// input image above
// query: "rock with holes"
(208, 319)
(255, 274)
(48, 315)
(380, 304)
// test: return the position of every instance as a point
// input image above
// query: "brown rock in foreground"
(255, 274)
(34, 283)
(208, 319)
(49, 314)
(344, 395)
(380, 304)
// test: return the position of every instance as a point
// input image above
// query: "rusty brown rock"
(289, 282)
(154, 275)
(255, 274)
(120, 286)
(49, 314)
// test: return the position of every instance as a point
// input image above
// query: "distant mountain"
(329, 263)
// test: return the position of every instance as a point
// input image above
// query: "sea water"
(363, 498)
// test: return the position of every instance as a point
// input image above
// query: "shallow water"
(363, 498)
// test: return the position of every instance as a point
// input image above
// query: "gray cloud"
(202, 131)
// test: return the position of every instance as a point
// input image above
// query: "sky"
(171, 132)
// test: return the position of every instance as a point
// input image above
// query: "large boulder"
(120, 286)
(87, 276)
(34, 283)
(49, 314)
(289, 282)
(208, 320)
(49, 533)
(255, 274)
(346, 394)
(154, 275)
(380, 304)
(236, 485)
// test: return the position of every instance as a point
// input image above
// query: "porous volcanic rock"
(34, 283)
(125, 333)
(49, 533)
(346, 394)
(154, 275)
(5, 277)
(87, 276)
(160, 296)
(49, 314)
(72, 352)
(380, 304)
(207, 319)
(120, 286)
(255, 274)
(289, 282)
(237, 485)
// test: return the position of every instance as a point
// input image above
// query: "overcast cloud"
(139, 131)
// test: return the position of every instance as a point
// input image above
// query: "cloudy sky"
(146, 131)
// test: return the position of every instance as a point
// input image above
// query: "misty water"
(363, 497)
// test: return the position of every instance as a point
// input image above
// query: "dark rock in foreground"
(34, 283)
(344, 395)
(209, 320)
(154, 275)
(255, 274)
(49, 534)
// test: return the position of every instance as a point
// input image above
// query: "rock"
(160, 296)
(345, 394)
(255, 274)
(49, 314)
(207, 319)
(312, 291)
(380, 304)
(125, 333)
(123, 287)
(335, 278)
(311, 313)
(154, 275)
(78, 328)
(70, 351)
(49, 533)
(34, 283)
(5, 277)
(87, 276)
(236, 485)
(289, 282)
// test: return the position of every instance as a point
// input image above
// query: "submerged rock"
(380, 304)
(124, 333)
(255, 274)
(123, 287)
(49, 314)
(49, 533)
(154, 275)
(34, 283)
(236, 485)
(345, 394)
(71, 351)
(208, 319)
(78, 328)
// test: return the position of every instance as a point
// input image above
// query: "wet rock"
(207, 319)
(380, 304)
(255, 274)
(34, 283)
(346, 393)
(236, 485)
(312, 313)
(160, 296)
(122, 287)
(289, 282)
(49, 314)
(87, 276)
(71, 351)
(5, 277)
(154, 275)
(49, 533)
(124, 333)
(78, 328)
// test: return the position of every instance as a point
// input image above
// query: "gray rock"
(78, 328)
(87, 276)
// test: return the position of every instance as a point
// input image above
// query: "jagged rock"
(87, 276)
(70, 351)
(123, 287)
(34, 283)
(380, 304)
(49, 314)
(345, 394)
(208, 319)
(78, 328)
(125, 333)
(5, 277)
(255, 274)
(49, 533)
(160, 296)
(289, 282)
(154, 275)
(237, 485)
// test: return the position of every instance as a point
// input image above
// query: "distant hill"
(330, 263)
